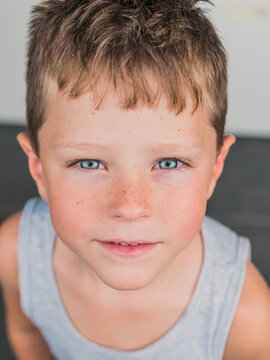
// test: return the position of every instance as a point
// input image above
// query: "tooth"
(127, 244)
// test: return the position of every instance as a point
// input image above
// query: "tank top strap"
(228, 254)
(35, 241)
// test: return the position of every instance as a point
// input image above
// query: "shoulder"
(249, 335)
(9, 230)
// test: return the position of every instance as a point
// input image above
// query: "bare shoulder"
(249, 337)
(8, 250)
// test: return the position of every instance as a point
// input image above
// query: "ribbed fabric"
(200, 334)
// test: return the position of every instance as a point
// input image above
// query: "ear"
(228, 141)
(34, 164)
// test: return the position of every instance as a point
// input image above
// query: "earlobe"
(34, 164)
(228, 141)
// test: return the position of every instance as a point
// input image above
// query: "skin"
(131, 195)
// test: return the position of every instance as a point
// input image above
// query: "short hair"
(79, 43)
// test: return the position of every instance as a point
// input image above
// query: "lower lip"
(128, 251)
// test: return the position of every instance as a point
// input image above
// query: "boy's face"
(128, 191)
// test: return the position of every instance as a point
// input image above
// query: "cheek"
(73, 209)
(183, 208)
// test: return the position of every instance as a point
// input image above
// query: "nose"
(130, 202)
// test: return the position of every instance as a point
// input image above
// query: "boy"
(126, 104)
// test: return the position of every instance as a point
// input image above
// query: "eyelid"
(183, 161)
(74, 162)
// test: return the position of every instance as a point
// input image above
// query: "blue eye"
(169, 164)
(89, 164)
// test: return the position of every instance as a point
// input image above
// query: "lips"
(128, 242)
(129, 249)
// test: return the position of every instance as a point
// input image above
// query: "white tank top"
(201, 332)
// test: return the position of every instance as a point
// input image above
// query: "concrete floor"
(241, 199)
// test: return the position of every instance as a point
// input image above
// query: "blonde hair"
(78, 43)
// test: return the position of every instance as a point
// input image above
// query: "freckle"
(179, 130)
(124, 191)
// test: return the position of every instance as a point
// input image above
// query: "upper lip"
(129, 241)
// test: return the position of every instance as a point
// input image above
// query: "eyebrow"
(154, 146)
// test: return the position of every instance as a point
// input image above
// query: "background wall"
(244, 26)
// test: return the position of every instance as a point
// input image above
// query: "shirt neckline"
(167, 338)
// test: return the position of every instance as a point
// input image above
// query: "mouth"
(128, 242)
(130, 249)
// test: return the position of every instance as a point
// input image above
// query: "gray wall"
(244, 26)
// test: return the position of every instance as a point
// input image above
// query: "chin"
(128, 283)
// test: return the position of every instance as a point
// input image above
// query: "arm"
(249, 337)
(25, 339)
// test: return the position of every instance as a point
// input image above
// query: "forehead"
(76, 121)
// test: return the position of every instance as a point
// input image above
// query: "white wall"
(244, 26)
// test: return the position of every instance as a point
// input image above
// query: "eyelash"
(82, 170)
